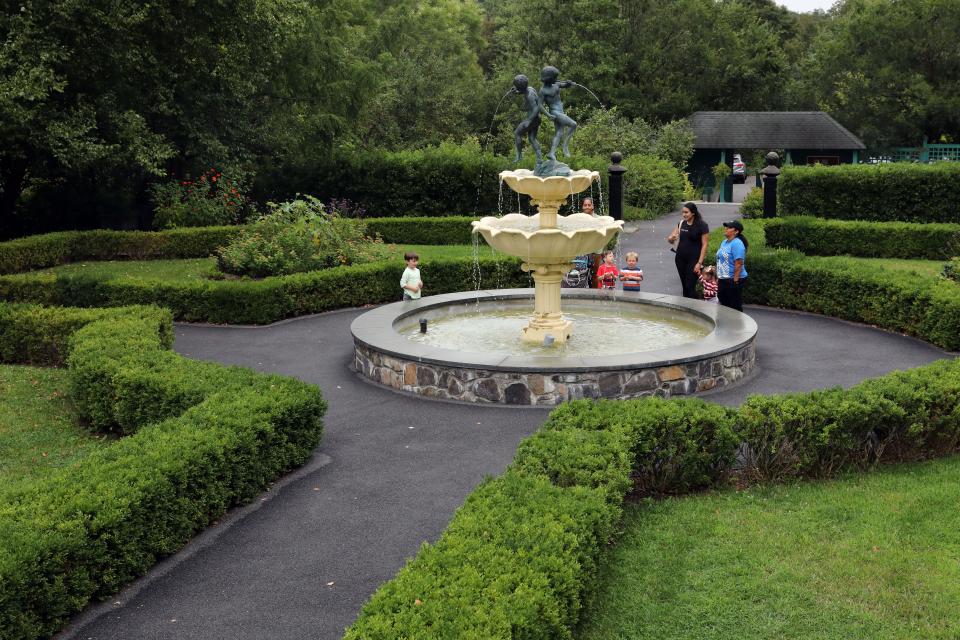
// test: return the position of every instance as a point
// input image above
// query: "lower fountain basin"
(713, 349)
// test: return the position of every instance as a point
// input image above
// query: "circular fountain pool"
(624, 345)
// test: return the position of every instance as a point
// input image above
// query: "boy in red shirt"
(607, 274)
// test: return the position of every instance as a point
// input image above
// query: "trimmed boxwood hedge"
(52, 249)
(786, 278)
(423, 230)
(448, 180)
(519, 558)
(205, 438)
(886, 192)
(900, 240)
(259, 301)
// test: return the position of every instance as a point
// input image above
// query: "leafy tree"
(107, 93)
(888, 70)
(430, 86)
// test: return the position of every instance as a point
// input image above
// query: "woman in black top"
(694, 234)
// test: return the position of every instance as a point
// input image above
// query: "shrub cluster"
(204, 438)
(295, 237)
(752, 205)
(786, 278)
(652, 184)
(213, 199)
(886, 192)
(519, 557)
(51, 249)
(260, 301)
(900, 240)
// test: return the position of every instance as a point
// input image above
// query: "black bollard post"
(615, 172)
(770, 173)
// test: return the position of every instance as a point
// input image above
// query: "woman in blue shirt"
(731, 268)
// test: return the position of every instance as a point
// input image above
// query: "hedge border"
(821, 237)
(886, 192)
(203, 438)
(520, 556)
(786, 278)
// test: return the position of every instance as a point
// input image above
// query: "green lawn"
(869, 556)
(200, 268)
(39, 430)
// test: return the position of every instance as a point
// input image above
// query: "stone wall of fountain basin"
(721, 359)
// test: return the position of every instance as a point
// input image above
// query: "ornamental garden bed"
(187, 441)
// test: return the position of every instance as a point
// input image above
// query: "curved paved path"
(302, 564)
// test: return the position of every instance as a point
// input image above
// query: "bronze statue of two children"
(548, 102)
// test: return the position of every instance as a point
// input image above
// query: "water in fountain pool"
(598, 331)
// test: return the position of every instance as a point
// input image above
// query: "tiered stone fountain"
(476, 348)
(548, 245)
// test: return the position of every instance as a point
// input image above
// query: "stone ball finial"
(616, 157)
(773, 158)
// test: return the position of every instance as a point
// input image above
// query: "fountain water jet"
(548, 249)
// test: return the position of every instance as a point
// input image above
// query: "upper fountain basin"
(553, 188)
(520, 235)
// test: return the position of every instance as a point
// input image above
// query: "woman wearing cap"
(691, 236)
(731, 269)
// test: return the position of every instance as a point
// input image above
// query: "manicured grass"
(39, 428)
(190, 269)
(201, 268)
(868, 556)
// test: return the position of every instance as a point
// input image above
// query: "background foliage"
(99, 100)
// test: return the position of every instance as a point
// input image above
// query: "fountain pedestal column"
(547, 319)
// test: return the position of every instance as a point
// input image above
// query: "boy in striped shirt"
(630, 276)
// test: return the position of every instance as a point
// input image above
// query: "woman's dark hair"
(693, 209)
(743, 239)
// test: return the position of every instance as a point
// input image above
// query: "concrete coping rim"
(375, 330)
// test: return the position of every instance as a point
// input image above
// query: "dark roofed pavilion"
(807, 137)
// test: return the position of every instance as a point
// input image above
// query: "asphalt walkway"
(303, 562)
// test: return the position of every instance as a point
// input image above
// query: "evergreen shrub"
(295, 237)
(651, 184)
(261, 301)
(885, 192)
(899, 240)
(788, 279)
(211, 437)
(52, 249)
(449, 180)
(423, 229)
(519, 557)
(752, 205)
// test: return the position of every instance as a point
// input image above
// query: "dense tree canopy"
(100, 98)
(890, 71)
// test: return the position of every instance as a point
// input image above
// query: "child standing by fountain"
(410, 282)
(631, 276)
(708, 278)
(608, 273)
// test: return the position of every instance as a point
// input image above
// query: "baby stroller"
(579, 276)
